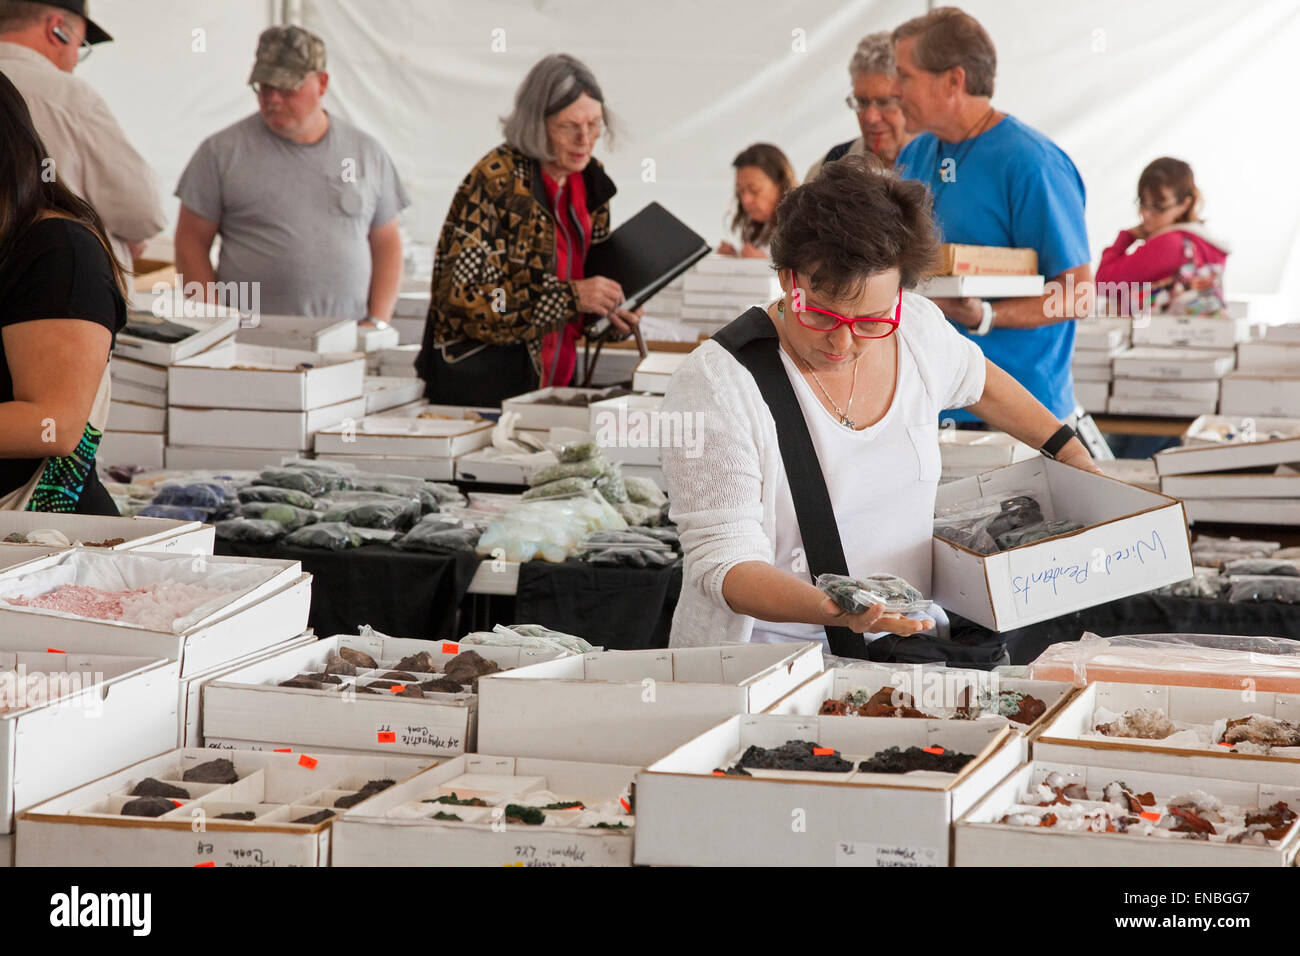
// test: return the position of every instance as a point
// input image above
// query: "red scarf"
(572, 240)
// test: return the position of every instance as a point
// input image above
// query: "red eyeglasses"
(823, 320)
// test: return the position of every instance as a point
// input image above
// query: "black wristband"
(1060, 438)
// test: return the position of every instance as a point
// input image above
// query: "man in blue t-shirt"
(995, 182)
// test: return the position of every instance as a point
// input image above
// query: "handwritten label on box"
(883, 854)
(418, 738)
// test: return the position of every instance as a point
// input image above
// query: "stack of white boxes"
(1176, 365)
(137, 414)
(1096, 343)
(719, 288)
(669, 301)
(1267, 380)
(252, 406)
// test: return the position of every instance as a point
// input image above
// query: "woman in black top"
(61, 306)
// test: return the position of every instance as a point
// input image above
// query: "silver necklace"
(844, 414)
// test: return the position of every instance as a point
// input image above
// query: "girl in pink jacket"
(1177, 253)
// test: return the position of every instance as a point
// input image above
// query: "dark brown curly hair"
(855, 220)
(776, 167)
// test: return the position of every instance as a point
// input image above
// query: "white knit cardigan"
(722, 483)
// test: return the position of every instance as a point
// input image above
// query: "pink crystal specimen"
(155, 607)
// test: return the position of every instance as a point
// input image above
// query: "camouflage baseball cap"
(285, 55)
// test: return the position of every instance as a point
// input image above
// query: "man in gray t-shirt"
(305, 203)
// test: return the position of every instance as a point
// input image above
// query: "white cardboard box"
(221, 382)
(1067, 737)
(535, 413)
(978, 840)
(136, 417)
(631, 429)
(1265, 511)
(1093, 396)
(1134, 541)
(1101, 333)
(139, 534)
(410, 331)
(384, 393)
(981, 287)
(85, 715)
(368, 835)
(1149, 390)
(688, 816)
(717, 264)
(655, 371)
(1161, 407)
(1092, 374)
(1193, 331)
(631, 707)
(412, 305)
(1224, 431)
(244, 428)
(756, 287)
(1270, 355)
(1231, 486)
(1288, 334)
(139, 394)
(248, 703)
(188, 457)
(144, 449)
(1173, 363)
(124, 371)
(1261, 393)
(266, 614)
(430, 469)
(981, 450)
(209, 330)
(1132, 471)
(494, 466)
(83, 827)
(404, 436)
(306, 333)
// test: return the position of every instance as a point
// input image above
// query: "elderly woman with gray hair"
(880, 114)
(510, 296)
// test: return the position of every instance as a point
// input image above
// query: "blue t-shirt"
(1011, 186)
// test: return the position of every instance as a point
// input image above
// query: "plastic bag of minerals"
(176, 512)
(660, 539)
(1210, 552)
(284, 496)
(593, 467)
(250, 529)
(575, 449)
(643, 491)
(856, 596)
(214, 496)
(371, 509)
(332, 536)
(1036, 532)
(1205, 583)
(612, 487)
(447, 496)
(1285, 590)
(528, 635)
(639, 515)
(976, 524)
(335, 476)
(299, 479)
(1270, 567)
(439, 533)
(630, 557)
(290, 517)
(561, 488)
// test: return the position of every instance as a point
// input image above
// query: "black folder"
(646, 253)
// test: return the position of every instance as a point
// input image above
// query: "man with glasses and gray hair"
(305, 203)
(510, 294)
(879, 113)
(40, 45)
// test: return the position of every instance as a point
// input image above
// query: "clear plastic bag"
(857, 595)
(292, 518)
(329, 535)
(437, 533)
(1036, 532)
(631, 537)
(977, 524)
(250, 529)
(576, 450)
(560, 488)
(1284, 590)
(643, 491)
(1205, 583)
(176, 512)
(284, 496)
(367, 509)
(446, 495)
(1209, 551)
(1266, 567)
(630, 557)
(299, 479)
(547, 529)
(593, 467)
(528, 635)
(199, 494)
(638, 515)
(612, 486)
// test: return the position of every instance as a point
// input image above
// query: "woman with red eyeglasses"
(835, 387)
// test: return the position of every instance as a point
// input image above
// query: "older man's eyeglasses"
(267, 91)
(883, 104)
(823, 320)
(577, 132)
(84, 49)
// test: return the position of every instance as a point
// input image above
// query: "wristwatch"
(1060, 438)
(378, 323)
(986, 320)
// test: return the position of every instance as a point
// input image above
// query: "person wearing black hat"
(40, 45)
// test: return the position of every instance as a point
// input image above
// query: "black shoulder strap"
(837, 152)
(752, 340)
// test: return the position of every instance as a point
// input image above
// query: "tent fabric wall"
(1115, 83)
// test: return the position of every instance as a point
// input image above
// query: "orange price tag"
(54, 650)
(719, 773)
(933, 750)
(397, 688)
(823, 751)
(283, 750)
(627, 806)
(448, 648)
(387, 736)
(308, 762)
(1224, 743)
(206, 863)
(177, 802)
(1148, 815)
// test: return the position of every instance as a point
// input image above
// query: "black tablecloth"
(399, 593)
(621, 608)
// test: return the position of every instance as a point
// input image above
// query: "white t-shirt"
(881, 480)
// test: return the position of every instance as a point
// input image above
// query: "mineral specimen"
(1259, 729)
(421, 662)
(441, 685)
(893, 760)
(220, 770)
(359, 658)
(320, 816)
(468, 666)
(149, 787)
(370, 788)
(237, 815)
(795, 755)
(147, 807)
(1143, 723)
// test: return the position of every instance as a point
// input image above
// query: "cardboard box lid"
(260, 378)
(960, 259)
